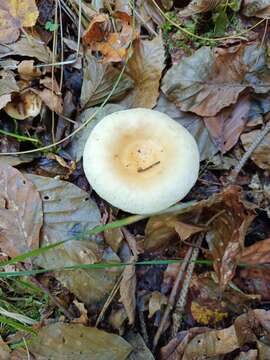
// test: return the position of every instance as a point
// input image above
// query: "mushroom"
(24, 105)
(141, 160)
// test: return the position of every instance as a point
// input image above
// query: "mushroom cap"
(141, 160)
(24, 105)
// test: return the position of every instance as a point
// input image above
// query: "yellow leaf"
(15, 14)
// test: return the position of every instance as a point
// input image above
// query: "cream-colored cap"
(141, 160)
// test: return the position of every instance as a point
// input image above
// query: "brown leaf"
(122, 10)
(21, 214)
(156, 301)
(226, 127)
(127, 291)
(97, 29)
(200, 6)
(15, 14)
(255, 281)
(145, 68)
(212, 79)
(185, 230)
(51, 99)
(258, 8)
(261, 154)
(258, 253)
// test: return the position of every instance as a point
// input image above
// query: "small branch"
(248, 153)
(181, 303)
(171, 300)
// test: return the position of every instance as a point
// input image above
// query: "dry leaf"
(122, 10)
(258, 8)
(15, 14)
(185, 230)
(255, 281)
(226, 127)
(261, 154)
(8, 83)
(75, 341)
(258, 253)
(127, 291)
(156, 301)
(212, 79)
(145, 68)
(97, 29)
(21, 214)
(200, 6)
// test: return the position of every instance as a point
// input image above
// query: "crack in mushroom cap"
(141, 160)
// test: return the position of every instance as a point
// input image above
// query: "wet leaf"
(261, 154)
(145, 68)
(226, 127)
(75, 341)
(199, 85)
(193, 124)
(77, 146)
(258, 8)
(255, 281)
(68, 211)
(21, 215)
(127, 291)
(15, 14)
(140, 350)
(98, 82)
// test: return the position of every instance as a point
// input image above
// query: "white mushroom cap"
(141, 160)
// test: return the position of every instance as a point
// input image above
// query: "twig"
(248, 153)
(143, 328)
(181, 303)
(54, 299)
(171, 300)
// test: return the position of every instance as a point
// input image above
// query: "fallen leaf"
(83, 318)
(21, 215)
(258, 253)
(156, 301)
(122, 10)
(145, 68)
(200, 6)
(258, 8)
(4, 99)
(98, 82)
(254, 281)
(30, 47)
(249, 355)
(185, 230)
(226, 127)
(199, 85)
(14, 15)
(193, 124)
(261, 154)
(50, 99)
(8, 83)
(140, 350)
(97, 29)
(68, 212)
(75, 341)
(77, 145)
(127, 291)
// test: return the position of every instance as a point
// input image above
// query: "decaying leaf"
(15, 14)
(21, 215)
(258, 8)
(99, 80)
(75, 341)
(77, 146)
(193, 124)
(254, 281)
(231, 217)
(68, 212)
(112, 45)
(261, 154)
(156, 301)
(258, 253)
(145, 68)
(30, 47)
(140, 350)
(127, 291)
(212, 79)
(226, 127)
(8, 83)
(200, 6)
